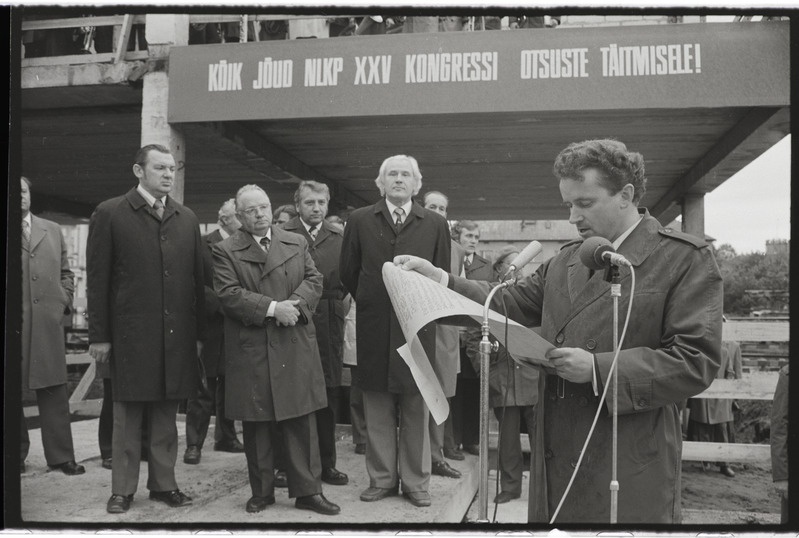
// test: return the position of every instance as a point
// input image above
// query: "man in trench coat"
(145, 303)
(47, 288)
(671, 351)
(374, 235)
(269, 288)
(324, 243)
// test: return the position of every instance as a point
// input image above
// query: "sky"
(754, 205)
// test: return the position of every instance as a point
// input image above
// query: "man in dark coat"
(47, 288)
(373, 236)
(145, 302)
(269, 287)
(324, 243)
(210, 396)
(671, 350)
(779, 441)
(466, 402)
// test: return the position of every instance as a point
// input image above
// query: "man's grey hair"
(247, 188)
(313, 186)
(229, 205)
(417, 174)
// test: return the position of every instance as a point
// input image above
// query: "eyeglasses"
(252, 211)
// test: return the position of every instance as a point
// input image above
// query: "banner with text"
(651, 66)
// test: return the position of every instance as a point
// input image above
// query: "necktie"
(312, 231)
(467, 262)
(265, 242)
(398, 214)
(159, 208)
(26, 233)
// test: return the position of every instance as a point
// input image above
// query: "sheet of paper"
(417, 301)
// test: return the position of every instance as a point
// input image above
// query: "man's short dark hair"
(313, 186)
(287, 208)
(617, 166)
(144, 152)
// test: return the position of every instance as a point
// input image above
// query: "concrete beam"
(693, 214)
(731, 153)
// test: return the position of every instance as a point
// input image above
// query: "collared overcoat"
(47, 289)
(145, 296)
(213, 355)
(779, 428)
(329, 315)
(272, 372)
(370, 240)
(671, 352)
(718, 410)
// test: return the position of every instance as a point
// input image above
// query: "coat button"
(573, 463)
(582, 401)
(166, 273)
(33, 255)
(293, 339)
(35, 277)
(560, 338)
(591, 344)
(548, 454)
(36, 301)
(166, 311)
(642, 402)
(392, 241)
(163, 237)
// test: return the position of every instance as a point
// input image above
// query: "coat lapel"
(37, 233)
(250, 250)
(280, 250)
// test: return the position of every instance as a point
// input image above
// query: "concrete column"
(162, 32)
(693, 214)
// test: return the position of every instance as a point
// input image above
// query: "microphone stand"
(615, 293)
(486, 347)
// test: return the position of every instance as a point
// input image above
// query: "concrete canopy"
(489, 147)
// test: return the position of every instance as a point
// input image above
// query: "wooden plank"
(757, 331)
(122, 41)
(79, 358)
(77, 22)
(754, 386)
(85, 383)
(68, 59)
(730, 452)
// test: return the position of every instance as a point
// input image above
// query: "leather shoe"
(118, 504)
(69, 468)
(506, 496)
(192, 455)
(442, 468)
(454, 454)
(360, 448)
(107, 463)
(174, 498)
(726, 471)
(281, 480)
(472, 449)
(229, 446)
(375, 494)
(418, 498)
(333, 476)
(318, 504)
(256, 504)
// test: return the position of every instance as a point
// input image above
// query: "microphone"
(598, 253)
(523, 258)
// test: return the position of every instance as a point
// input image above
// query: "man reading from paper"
(671, 350)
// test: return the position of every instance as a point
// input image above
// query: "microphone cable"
(601, 400)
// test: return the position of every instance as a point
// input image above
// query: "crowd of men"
(248, 324)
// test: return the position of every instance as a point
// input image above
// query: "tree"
(752, 271)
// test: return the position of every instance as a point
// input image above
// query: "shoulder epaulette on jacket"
(697, 242)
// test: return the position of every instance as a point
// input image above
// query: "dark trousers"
(53, 405)
(511, 458)
(208, 400)
(300, 448)
(326, 420)
(162, 446)
(357, 419)
(466, 411)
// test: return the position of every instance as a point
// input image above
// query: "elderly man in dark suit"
(466, 402)
(145, 290)
(269, 287)
(374, 235)
(47, 288)
(324, 243)
(210, 396)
